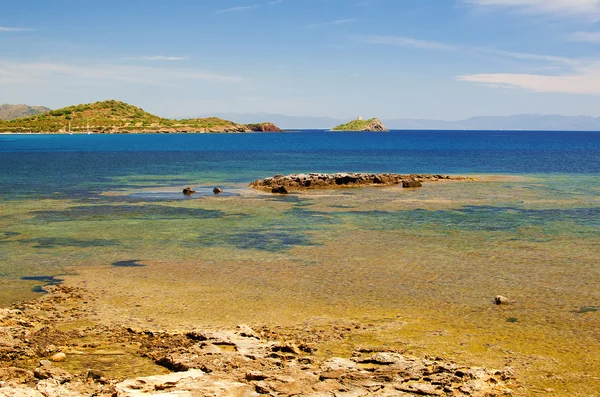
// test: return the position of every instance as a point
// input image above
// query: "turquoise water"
(53, 185)
(107, 211)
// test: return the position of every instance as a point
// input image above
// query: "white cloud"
(156, 58)
(407, 42)
(331, 23)
(34, 72)
(237, 9)
(6, 29)
(566, 84)
(588, 37)
(587, 9)
(575, 76)
(535, 57)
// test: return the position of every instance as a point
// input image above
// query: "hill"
(119, 117)
(10, 112)
(362, 125)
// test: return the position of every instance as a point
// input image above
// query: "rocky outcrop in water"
(327, 181)
(263, 127)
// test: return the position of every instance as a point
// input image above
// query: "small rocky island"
(282, 184)
(359, 124)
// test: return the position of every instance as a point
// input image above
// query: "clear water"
(107, 211)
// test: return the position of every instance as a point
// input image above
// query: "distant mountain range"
(10, 112)
(516, 122)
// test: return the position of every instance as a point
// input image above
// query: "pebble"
(59, 357)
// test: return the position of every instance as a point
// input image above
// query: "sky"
(434, 59)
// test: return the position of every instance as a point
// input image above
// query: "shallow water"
(107, 212)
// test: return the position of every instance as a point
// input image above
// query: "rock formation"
(327, 181)
(240, 362)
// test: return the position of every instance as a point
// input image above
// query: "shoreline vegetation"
(58, 345)
(115, 117)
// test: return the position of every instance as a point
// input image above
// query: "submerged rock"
(411, 183)
(217, 190)
(188, 190)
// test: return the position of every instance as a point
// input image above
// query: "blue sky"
(444, 59)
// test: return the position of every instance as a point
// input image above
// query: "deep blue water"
(40, 165)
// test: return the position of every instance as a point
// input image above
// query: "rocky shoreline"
(283, 184)
(53, 347)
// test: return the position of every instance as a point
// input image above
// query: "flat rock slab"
(341, 180)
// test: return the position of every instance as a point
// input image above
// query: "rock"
(245, 331)
(327, 181)
(411, 183)
(19, 392)
(279, 190)
(45, 363)
(255, 376)
(174, 363)
(95, 374)
(385, 358)
(217, 190)
(263, 127)
(336, 363)
(15, 374)
(285, 348)
(58, 374)
(188, 191)
(58, 357)
(501, 300)
(423, 389)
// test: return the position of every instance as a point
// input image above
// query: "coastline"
(106, 359)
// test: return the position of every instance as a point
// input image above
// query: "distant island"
(520, 122)
(114, 117)
(359, 124)
(10, 112)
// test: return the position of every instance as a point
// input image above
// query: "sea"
(423, 265)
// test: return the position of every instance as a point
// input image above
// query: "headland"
(115, 117)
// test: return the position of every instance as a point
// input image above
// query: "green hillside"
(373, 124)
(10, 112)
(116, 117)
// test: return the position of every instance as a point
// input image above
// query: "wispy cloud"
(574, 76)
(587, 37)
(402, 41)
(331, 23)
(528, 56)
(587, 9)
(7, 29)
(17, 73)
(155, 58)
(273, 2)
(237, 9)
